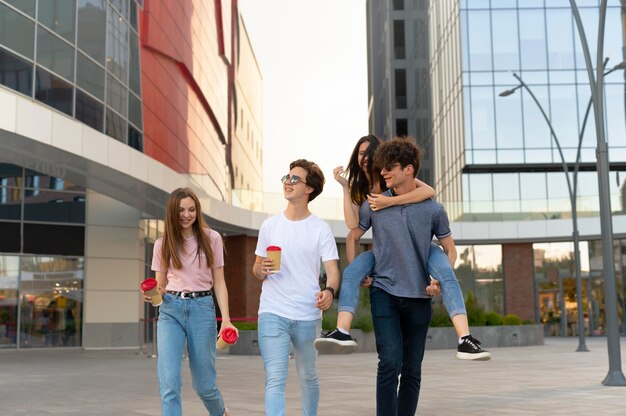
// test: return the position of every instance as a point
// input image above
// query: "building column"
(244, 290)
(519, 288)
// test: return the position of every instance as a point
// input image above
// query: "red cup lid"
(148, 284)
(273, 248)
(229, 335)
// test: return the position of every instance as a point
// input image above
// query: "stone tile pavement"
(550, 379)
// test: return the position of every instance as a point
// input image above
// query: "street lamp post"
(615, 377)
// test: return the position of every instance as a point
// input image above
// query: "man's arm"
(447, 243)
(325, 297)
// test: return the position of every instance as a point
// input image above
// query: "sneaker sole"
(479, 356)
(332, 346)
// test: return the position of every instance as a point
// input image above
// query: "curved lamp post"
(615, 377)
(572, 186)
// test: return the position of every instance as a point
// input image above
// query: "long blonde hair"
(173, 238)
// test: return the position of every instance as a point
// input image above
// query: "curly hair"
(402, 150)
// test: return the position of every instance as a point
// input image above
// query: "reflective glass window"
(53, 91)
(27, 6)
(16, 32)
(89, 76)
(533, 192)
(509, 121)
(55, 54)
(532, 39)
(54, 206)
(510, 156)
(506, 192)
(16, 73)
(538, 155)
(563, 114)
(10, 241)
(117, 46)
(590, 19)
(66, 240)
(483, 118)
(122, 6)
(536, 130)
(614, 112)
(89, 110)
(133, 19)
(91, 28)
(134, 110)
(10, 175)
(9, 276)
(400, 87)
(135, 138)
(560, 38)
(117, 95)
(115, 126)
(398, 39)
(479, 27)
(10, 203)
(60, 16)
(505, 41)
(41, 181)
(51, 301)
(134, 81)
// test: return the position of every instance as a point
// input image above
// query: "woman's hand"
(227, 324)
(340, 176)
(367, 282)
(379, 201)
(434, 289)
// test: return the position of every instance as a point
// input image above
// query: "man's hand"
(433, 289)
(324, 300)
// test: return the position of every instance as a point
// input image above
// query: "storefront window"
(479, 270)
(9, 270)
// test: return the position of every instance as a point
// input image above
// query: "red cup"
(149, 288)
(227, 338)
(273, 252)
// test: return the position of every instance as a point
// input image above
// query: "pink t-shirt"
(192, 277)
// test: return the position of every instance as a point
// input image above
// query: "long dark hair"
(173, 238)
(357, 180)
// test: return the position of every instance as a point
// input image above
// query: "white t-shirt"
(290, 293)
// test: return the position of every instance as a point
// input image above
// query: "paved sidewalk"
(551, 379)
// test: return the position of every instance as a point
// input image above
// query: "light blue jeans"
(193, 320)
(438, 267)
(276, 334)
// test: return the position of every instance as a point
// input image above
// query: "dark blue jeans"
(400, 326)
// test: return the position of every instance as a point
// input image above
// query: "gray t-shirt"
(402, 236)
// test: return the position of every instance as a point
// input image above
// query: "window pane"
(10, 203)
(135, 69)
(135, 138)
(51, 206)
(482, 118)
(398, 39)
(134, 111)
(400, 88)
(55, 54)
(16, 73)
(398, 4)
(509, 122)
(536, 130)
(53, 91)
(560, 39)
(115, 126)
(89, 111)
(16, 32)
(51, 301)
(90, 76)
(133, 14)
(117, 46)
(27, 6)
(44, 239)
(117, 96)
(479, 28)
(60, 16)
(9, 273)
(505, 44)
(10, 241)
(532, 39)
(92, 28)
(9, 174)
(40, 181)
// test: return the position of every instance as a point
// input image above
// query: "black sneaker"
(335, 342)
(470, 349)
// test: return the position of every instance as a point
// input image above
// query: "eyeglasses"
(390, 167)
(292, 179)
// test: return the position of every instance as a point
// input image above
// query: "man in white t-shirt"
(290, 310)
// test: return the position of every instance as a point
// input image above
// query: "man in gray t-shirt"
(401, 308)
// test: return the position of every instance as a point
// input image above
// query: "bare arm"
(447, 243)
(324, 297)
(221, 295)
(161, 278)
(350, 210)
(422, 192)
(352, 243)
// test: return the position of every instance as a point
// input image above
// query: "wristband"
(331, 290)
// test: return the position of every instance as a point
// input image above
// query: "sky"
(313, 61)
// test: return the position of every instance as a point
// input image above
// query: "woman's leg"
(439, 267)
(170, 344)
(361, 267)
(201, 337)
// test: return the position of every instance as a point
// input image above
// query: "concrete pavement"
(539, 380)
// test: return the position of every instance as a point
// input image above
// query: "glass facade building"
(80, 57)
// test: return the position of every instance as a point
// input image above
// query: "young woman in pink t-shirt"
(189, 265)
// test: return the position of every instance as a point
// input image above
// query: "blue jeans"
(193, 320)
(400, 326)
(438, 267)
(276, 334)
